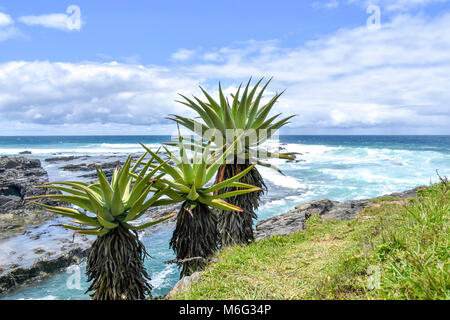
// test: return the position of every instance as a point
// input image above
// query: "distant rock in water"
(92, 166)
(25, 152)
(67, 158)
(294, 220)
(19, 177)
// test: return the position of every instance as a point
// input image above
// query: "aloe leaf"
(172, 171)
(64, 189)
(82, 202)
(68, 212)
(212, 169)
(215, 106)
(254, 109)
(137, 205)
(165, 202)
(117, 205)
(262, 114)
(268, 165)
(235, 193)
(178, 186)
(150, 202)
(220, 204)
(138, 162)
(192, 195)
(227, 182)
(106, 188)
(107, 224)
(191, 104)
(146, 225)
(235, 107)
(216, 116)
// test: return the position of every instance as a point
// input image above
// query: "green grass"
(394, 250)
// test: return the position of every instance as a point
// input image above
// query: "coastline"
(43, 263)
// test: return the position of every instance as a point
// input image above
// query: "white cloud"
(75, 95)
(390, 5)
(330, 4)
(5, 20)
(7, 28)
(183, 55)
(394, 80)
(396, 77)
(66, 22)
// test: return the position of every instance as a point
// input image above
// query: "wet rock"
(108, 173)
(48, 251)
(92, 166)
(406, 194)
(19, 177)
(67, 158)
(15, 275)
(25, 152)
(183, 284)
(294, 220)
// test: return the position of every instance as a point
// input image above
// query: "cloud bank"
(393, 81)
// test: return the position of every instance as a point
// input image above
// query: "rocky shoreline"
(19, 177)
(46, 250)
(294, 221)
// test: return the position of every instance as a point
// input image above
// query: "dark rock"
(25, 152)
(49, 253)
(294, 220)
(92, 166)
(19, 177)
(108, 174)
(183, 284)
(284, 224)
(16, 275)
(67, 158)
(406, 194)
(345, 211)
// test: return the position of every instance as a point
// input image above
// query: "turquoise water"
(335, 167)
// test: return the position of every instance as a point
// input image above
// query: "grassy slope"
(404, 244)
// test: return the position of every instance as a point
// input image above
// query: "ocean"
(335, 167)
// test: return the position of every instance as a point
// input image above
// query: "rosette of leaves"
(195, 238)
(243, 112)
(105, 209)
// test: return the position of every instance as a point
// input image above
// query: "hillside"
(394, 249)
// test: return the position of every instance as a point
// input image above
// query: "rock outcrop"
(294, 220)
(92, 166)
(183, 284)
(19, 177)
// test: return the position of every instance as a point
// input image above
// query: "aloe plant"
(106, 208)
(245, 113)
(196, 234)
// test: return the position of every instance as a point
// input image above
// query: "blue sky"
(119, 72)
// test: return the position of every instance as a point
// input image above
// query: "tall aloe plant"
(247, 113)
(196, 235)
(106, 208)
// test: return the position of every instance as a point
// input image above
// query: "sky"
(116, 67)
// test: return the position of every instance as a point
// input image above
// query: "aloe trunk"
(237, 227)
(116, 266)
(195, 236)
